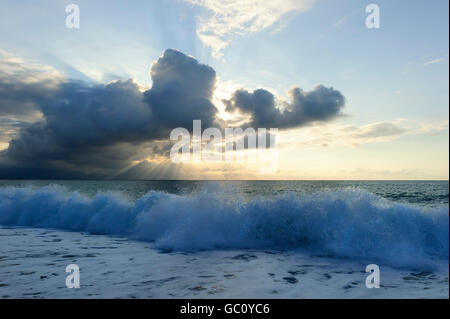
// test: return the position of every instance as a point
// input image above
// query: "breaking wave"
(345, 224)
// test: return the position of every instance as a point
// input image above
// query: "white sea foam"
(346, 224)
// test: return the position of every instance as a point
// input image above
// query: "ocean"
(224, 239)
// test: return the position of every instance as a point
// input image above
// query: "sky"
(100, 101)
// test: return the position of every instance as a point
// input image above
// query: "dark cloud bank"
(98, 131)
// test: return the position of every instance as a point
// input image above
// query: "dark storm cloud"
(182, 91)
(81, 116)
(90, 125)
(22, 99)
(10, 128)
(23, 87)
(106, 130)
(86, 130)
(320, 104)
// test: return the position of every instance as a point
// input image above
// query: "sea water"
(217, 239)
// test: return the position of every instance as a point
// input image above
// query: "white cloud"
(228, 18)
(432, 61)
(332, 134)
(341, 21)
(435, 60)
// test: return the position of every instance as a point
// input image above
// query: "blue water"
(427, 193)
(399, 223)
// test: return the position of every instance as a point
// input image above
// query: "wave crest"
(347, 223)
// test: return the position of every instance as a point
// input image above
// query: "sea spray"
(345, 223)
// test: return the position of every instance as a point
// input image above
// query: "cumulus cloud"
(305, 107)
(182, 91)
(80, 118)
(101, 127)
(109, 130)
(226, 18)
